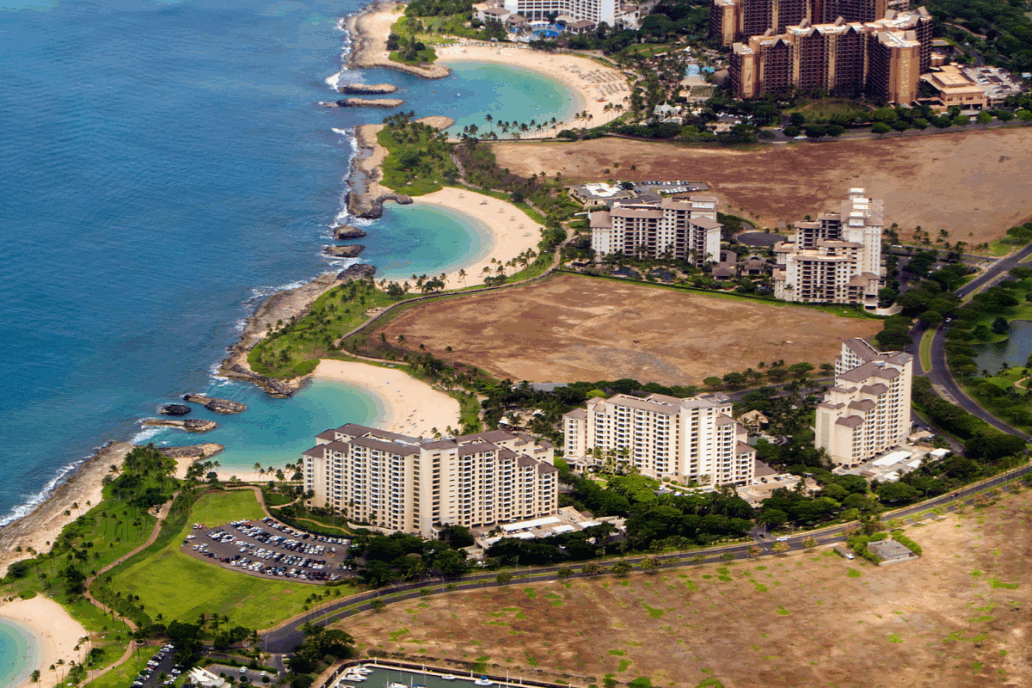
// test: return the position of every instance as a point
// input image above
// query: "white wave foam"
(333, 81)
(26, 507)
(143, 435)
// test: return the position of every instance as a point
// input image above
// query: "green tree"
(880, 128)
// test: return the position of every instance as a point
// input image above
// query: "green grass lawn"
(926, 349)
(648, 49)
(297, 348)
(181, 587)
(123, 676)
(822, 110)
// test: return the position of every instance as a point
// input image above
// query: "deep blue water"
(164, 167)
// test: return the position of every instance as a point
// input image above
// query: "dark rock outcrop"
(367, 89)
(356, 272)
(174, 410)
(190, 425)
(362, 102)
(343, 251)
(366, 207)
(193, 451)
(348, 232)
(272, 386)
(223, 406)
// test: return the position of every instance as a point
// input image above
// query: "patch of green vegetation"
(419, 156)
(982, 619)
(520, 615)
(395, 635)
(998, 584)
(624, 665)
(618, 653)
(182, 588)
(958, 636)
(894, 638)
(654, 612)
(295, 348)
(781, 610)
(853, 573)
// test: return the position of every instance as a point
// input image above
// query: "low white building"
(205, 679)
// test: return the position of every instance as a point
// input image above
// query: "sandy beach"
(57, 634)
(593, 85)
(511, 231)
(369, 30)
(410, 407)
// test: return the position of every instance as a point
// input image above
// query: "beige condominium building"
(835, 258)
(693, 439)
(681, 228)
(881, 58)
(868, 409)
(414, 485)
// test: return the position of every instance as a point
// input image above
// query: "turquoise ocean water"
(19, 653)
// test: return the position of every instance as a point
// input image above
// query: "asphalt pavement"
(939, 375)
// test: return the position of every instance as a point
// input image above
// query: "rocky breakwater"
(348, 232)
(367, 195)
(367, 89)
(193, 451)
(343, 251)
(362, 102)
(190, 425)
(223, 406)
(282, 306)
(174, 410)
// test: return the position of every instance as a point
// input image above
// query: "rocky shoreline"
(351, 251)
(367, 195)
(282, 306)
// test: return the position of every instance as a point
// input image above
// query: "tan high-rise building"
(868, 409)
(414, 485)
(835, 258)
(883, 59)
(681, 228)
(693, 439)
(732, 20)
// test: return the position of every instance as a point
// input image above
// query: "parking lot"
(163, 662)
(269, 549)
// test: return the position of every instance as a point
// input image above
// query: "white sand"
(511, 231)
(56, 632)
(409, 406)
(594, 85)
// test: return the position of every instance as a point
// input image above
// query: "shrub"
(902, 539)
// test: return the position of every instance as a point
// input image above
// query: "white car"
(783, 538)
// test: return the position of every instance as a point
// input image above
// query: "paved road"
(285, 637)
(939, 375)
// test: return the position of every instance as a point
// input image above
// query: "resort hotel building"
(868, 409)
(681, 228)
(415, 485)
(882, 58)
(836, 258)
(693, 439)
(614, 13)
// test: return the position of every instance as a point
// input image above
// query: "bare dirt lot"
(975, 185)
(572, 328)
(958, 616)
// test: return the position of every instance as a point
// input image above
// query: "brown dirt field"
(976, 183)
(807, 619)
(572, 328)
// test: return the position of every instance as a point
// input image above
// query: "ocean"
(19, 653)
(164, 169)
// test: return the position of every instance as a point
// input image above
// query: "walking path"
(162, 515)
